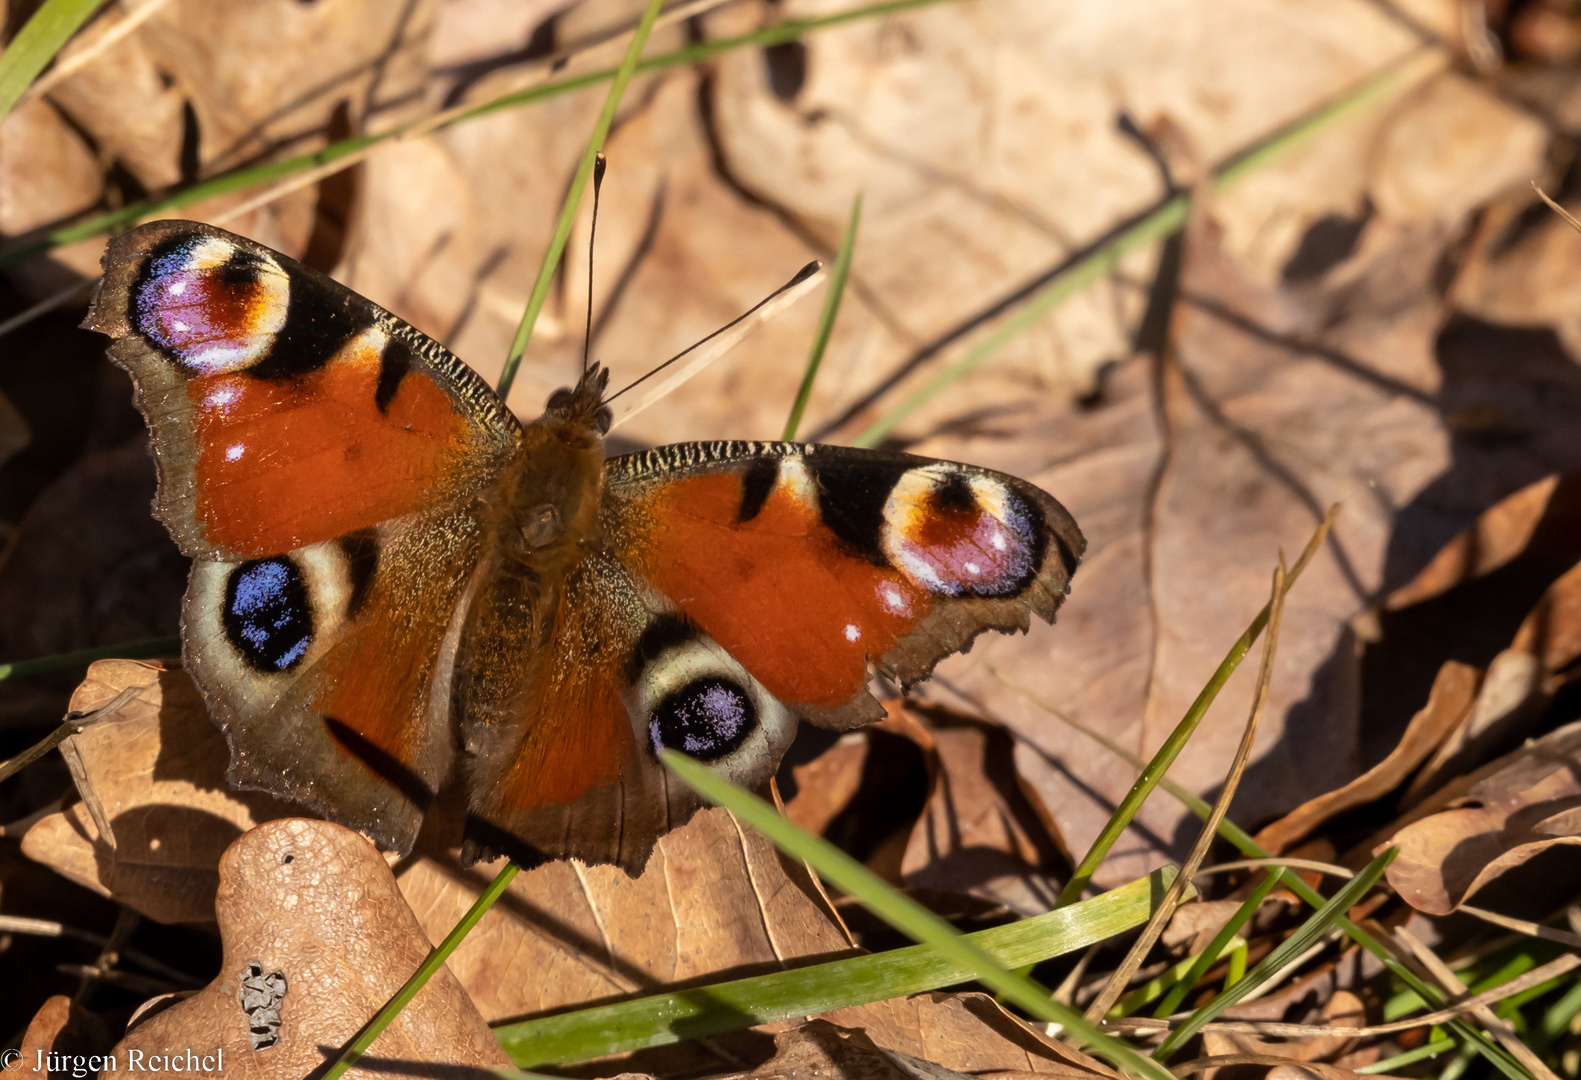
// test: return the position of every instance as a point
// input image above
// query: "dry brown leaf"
(47, 173)
(154, 773)
(90, 565)
(970, 1033)
(1267, 421)
(714, 897)
(983, 832)
(317, 938)
(1193, 925)
(826, 784)
(1448, 705)
(120, 98)
(1498, 535)
(1503, 815)
(61, 1027)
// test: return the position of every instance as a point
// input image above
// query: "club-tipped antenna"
(722, 339)
(592, 233)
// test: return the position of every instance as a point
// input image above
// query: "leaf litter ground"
(1383, 318)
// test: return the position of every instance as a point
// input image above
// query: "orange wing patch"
(284, 463)
(778, 591)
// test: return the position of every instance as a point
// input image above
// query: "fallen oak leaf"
(1448, 704)
(1505, 814)
(317, 937)
(156, 811)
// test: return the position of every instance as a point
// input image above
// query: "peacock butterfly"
(396, 586)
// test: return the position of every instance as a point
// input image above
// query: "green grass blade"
(790, 30)
(1121, 819)
(1159, 986)
(660, 1019)
(425, 971)
(126, 650)
(1166, 218)
(1304, 938)
(906, 915)
(831, 309)
(573, 198)
(36, 44)
(1177, 993)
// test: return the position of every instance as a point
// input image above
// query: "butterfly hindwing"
(329, 667)
(286, 410)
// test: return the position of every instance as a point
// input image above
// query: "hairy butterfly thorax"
(397, 587)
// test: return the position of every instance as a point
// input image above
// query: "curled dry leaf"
(969, 1033)
(1500, 534)
(714, 897)
(155, 812)
(984, 832)
(310, 913)
(1448, 705)
(1499, 817)
(60, 1027)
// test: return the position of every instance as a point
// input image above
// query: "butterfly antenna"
(592, 232)
(801, 275)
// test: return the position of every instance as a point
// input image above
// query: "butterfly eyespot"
(210, 305)
(706, 719)
(956, 533)
(266, 615)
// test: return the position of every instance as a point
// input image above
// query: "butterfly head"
(583, 404)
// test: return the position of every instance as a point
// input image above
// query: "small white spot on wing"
(852, 632)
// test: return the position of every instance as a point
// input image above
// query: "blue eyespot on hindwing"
(706, 719)
(266, 616)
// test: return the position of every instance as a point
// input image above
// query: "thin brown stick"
(1210, 829)
(1551, 970)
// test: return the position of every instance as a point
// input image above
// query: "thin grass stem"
(1476, 1042)
(1199, 850)
(425, 971)
(573, 198)
(1210, 955)
(831, 309)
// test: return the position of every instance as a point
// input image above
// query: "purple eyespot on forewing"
(211, 306)
(966, 540)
